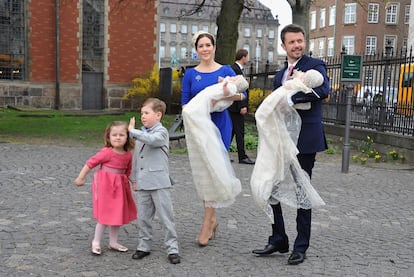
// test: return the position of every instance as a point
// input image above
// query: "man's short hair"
(241, 53)
(291, 28)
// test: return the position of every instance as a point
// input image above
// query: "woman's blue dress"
(194, 82)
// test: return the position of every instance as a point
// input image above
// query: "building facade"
(74, 54)
(258, 33)
(360, 27)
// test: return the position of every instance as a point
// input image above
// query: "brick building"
(362, 27)
(86, 63)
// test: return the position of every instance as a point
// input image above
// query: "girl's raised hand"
(79, 182)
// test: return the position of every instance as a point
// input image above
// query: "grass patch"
(60, 128)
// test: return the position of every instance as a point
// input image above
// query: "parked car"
(369, 93)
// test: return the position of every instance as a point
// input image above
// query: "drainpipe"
(57, 97)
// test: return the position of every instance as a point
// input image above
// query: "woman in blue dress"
(205, 74)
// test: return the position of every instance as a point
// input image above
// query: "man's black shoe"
(296, 258)
(140, 254)
(270, 248)
(174, 258)
(246, 161)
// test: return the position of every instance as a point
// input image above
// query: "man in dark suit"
(239, 108)
(311, 140)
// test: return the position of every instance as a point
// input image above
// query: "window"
(173, 51)
(332, 15)
(313, 20)
(391, 13)
(162, 27)
(184, 37)
(349, 43)
(183, 29)
(13, 40)
(194, 29)
(369, 77)
(258, 52)
(246, 32)
(162, 36)
(205, 28)
(407, 14)
(330, 50)
(173, 28)
(183, 52)
(162, 51)
(311, 45)
(404, 45)
(259, 33)
(322, 19)
(247, 47)
(371, 45)
(166, 10)
(373, 13)
(321, 47)
(271, 34)
(391, 41)
(93, 33)
(350, 13)
(173, 37)
(270, 56)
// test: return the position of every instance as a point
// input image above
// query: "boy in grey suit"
(150, 178)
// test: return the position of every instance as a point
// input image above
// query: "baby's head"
(239, 81)
(311, 78)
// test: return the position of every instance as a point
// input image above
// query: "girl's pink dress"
(113, 203)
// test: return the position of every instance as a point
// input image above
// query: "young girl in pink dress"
(113, 203)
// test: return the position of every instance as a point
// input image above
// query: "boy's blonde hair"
(130, 143)
(157, 105)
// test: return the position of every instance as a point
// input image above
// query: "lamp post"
(382, 115)
(257, 55)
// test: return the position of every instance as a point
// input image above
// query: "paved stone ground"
(46, 226)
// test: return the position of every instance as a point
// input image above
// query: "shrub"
(147, 85)
(256, 96)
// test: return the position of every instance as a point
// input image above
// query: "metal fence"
(382, 101)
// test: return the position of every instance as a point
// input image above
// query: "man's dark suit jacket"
(238, 105)
(312, 136)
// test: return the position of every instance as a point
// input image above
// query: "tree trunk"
(300, 14)
(227, 33)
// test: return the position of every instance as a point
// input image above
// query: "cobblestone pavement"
(46, 225)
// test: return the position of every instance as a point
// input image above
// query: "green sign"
(351, 68)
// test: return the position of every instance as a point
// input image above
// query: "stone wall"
(42, 95)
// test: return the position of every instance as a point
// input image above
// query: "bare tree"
(227, 32)
(228, 22)
(300, 12)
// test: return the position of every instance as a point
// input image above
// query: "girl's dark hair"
(130, 143)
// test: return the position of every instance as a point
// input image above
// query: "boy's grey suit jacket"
(150, 160)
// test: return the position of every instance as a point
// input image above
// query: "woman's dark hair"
(202, 35)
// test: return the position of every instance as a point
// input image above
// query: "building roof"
(183, 9)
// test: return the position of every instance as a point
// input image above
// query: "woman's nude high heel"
(204, 236)
(214, 229)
